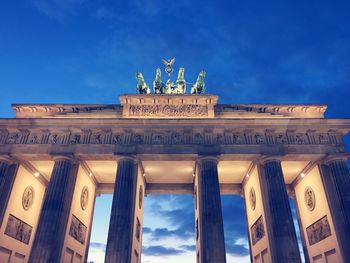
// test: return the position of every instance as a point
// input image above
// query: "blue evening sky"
(84, 51)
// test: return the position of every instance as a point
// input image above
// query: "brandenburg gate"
(56, 158)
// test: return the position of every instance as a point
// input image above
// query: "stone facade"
(265, 153)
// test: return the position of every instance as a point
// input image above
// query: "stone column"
(211, 230)
(8, 171)
(336, 182)
(279, 221)
(51, 231)
(120, 234)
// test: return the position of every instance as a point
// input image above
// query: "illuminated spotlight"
(90, 174)
(143, 174)
(36, 174)
(247, 175)
(193, 175)
(302, 175)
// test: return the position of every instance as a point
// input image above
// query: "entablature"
(236, 136)
(161, 106)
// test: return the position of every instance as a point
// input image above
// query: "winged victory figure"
(169, 65)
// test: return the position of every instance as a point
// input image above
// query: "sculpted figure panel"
(77, 230)
(13, 138)
(178, 137)
(318, 231)
(168, 110)
(257, 230)
(18, 229)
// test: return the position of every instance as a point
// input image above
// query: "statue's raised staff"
(180, 82)
(142, 87)
(158, 85)
(199, 86)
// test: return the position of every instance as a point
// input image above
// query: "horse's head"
(139, 76)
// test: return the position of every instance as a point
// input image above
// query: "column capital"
(207, 157)
(268, 158)
(127, 157)
(59, 157)
(335, 157)
(7, 158)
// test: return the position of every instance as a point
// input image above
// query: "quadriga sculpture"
(158, 85)
(199, 86)
(169, 87)
(142, 87)
(180, 82)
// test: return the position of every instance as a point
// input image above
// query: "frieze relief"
(318, 231)
(77, 230)
(18, 229)
(189, 110)
(257, 230)
(170, 138)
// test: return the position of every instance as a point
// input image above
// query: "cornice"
(185, 106)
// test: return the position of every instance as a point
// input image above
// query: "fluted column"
(120, 234)
(336, 182)
(8, 171)
(51, 231)
(279, 221)
(212, 242)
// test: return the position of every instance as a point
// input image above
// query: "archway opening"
(235, 227)
(99, 229)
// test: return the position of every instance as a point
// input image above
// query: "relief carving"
(257, 230)
(300, 139)
(318, 231)
(252, 198)
(281, 139)
(259, 139)
(140, 197)
(173, 138)
(117, 139)
(97, 138)
(34, 139)
(18, 229)
(138, 229)
(28, 197)
(54, 139)
(191, 110)
(158, 139)
(220, 139)
(237, 139)
(84, 197)
(13, 138)
(323, 138)
(177, 138)
(137, 138)
(77, 230)
(75, 139)
(309, 198)
(197, 138)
